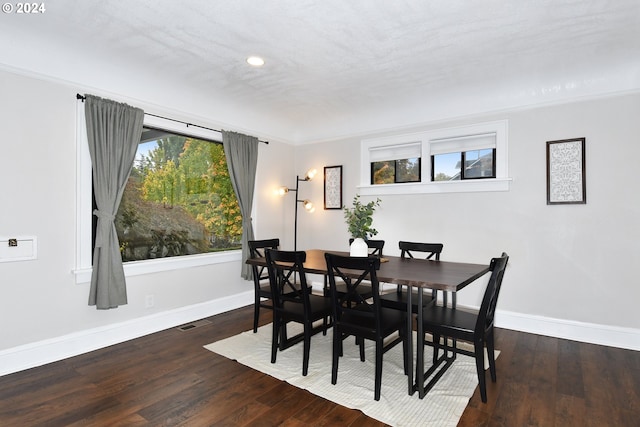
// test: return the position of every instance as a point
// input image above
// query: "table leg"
(410, 343)
(420, 349)
(439, 367)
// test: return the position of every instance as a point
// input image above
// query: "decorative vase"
(359, 248)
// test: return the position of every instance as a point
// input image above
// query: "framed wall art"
(333, 187)
(566, 172)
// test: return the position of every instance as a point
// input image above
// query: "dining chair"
(364, 318)
(474, 327)
(294, 302)
(375, 250)
(398, 299)
(261, 286)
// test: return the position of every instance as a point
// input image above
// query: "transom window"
(468, 157)
(460, 159)
(395, 171)
(396, 164)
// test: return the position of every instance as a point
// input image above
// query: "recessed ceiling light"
(255, 61)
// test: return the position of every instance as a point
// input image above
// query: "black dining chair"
(375, 250)
(398, 299)
(261, 286)
(294, 302)
(363, 318)
(474, 327)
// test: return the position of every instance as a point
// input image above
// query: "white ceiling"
(333, 67)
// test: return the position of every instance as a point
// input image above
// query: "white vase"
(359, 248)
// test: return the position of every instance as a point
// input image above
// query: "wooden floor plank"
(570, 371)
(570, 411)
(542, 384)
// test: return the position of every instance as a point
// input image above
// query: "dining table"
(412, 273)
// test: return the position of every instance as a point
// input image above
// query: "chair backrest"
(353, 271)
(375, 246)
(257, 250)
(287, 278)
(490, 300)
(432, 250)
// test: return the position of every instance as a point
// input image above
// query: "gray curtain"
(242, 158)
(113, 131)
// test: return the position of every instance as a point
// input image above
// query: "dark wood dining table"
(416, 273)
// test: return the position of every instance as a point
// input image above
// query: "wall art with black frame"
(333, 187)
(566, 177)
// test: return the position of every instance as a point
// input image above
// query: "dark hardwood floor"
(168, 378)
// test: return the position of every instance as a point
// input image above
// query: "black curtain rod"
(82, 98)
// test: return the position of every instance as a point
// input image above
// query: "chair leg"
(491, 355)
(436, 347)
(337, 352)
(360, 342)
(274, 338)
(256, 314)
(282, 327)
(378, 377)
(306, 349)
(479, 355)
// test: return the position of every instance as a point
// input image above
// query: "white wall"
(42, 306)
(572, 266)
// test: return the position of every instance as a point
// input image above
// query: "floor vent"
(193, 325)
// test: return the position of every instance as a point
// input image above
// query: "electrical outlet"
(149, 301)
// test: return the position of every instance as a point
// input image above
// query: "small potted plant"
(359, 220)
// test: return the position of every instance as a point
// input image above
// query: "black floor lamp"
(306, 203)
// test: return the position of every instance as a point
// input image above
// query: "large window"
(179, 199)
(184, 210)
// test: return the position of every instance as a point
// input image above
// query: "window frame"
(500, 183)
(84, 213)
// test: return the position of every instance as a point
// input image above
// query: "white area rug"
(442, 406)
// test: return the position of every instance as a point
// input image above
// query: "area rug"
(442, 406)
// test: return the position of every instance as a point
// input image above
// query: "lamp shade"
(282, 191)
(308, 205)
(310, 174)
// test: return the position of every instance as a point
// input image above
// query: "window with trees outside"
(179, 199)
(396, 164)
(395, 171)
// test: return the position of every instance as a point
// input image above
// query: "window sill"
(481, 185)
(137, 268)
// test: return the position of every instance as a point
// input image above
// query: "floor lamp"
(306, 203)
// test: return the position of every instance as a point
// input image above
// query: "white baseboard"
(42, 352)
(54, 349)
(612, 336)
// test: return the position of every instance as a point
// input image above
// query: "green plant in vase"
(359, 220)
